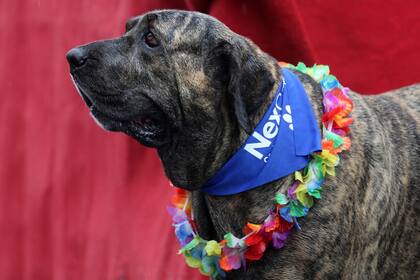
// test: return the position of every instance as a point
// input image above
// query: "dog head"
(181, 82)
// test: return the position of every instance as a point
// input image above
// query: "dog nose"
(76, 57)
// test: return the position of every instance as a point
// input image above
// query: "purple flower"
(279, 239)
(178, 216)
(291, 190)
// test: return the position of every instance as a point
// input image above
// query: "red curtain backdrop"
(77, 202)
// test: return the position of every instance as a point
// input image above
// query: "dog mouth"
(82, 94)
(149, 130)
(85, 98)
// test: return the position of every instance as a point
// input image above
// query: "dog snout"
(76, 57)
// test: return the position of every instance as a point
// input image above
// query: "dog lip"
(146, 129)
(84, 96)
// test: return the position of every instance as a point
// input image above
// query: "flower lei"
(213, 258)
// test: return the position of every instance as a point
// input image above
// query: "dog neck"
(216, 215)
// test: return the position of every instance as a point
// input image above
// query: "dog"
(185, 84)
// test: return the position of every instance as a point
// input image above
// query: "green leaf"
(301, 67)
(337, 139)
(281, 199)
(298, 176)
(190, 245)
(206, 266)
(232, 241)
(315, 193)
(192, 262)
(319, 71)
(296, 209)
(305, 199)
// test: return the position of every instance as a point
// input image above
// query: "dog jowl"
(185, 84)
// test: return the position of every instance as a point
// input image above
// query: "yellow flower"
(213, 248)
(302, 195)
(329, 162)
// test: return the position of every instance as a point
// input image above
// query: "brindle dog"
(184, 83)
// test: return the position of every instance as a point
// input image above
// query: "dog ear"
(250, 79)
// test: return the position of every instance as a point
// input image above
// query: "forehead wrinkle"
(167, 25)
(142, 21)
(168, 29)
(182, 29)
(179, 111)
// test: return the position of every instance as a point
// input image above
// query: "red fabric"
(80, 203)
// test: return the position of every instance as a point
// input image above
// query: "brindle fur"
(208, 87)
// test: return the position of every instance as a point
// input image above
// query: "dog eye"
(151, 40)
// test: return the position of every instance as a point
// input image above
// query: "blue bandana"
(280, 144)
